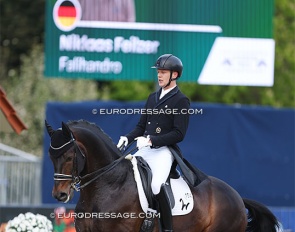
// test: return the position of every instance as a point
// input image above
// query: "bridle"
(76, 178)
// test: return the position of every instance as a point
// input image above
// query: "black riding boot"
(165, 209)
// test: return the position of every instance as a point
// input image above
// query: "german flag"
(67, 14)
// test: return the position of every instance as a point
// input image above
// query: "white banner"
(240, 61)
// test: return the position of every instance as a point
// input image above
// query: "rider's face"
(164, 76)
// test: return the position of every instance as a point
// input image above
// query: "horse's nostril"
(61, 196)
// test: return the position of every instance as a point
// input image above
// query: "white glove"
(143, 142)
(123, 141)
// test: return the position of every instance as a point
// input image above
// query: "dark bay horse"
(86, 159)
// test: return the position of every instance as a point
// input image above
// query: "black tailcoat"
(165, 120)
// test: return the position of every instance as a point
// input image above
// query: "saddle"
(191, 175)
(176, 187)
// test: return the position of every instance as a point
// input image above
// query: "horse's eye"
(69, 159)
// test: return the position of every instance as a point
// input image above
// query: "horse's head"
(68, 161)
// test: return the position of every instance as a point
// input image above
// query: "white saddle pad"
(184, 202)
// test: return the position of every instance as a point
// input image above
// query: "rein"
(76, 180)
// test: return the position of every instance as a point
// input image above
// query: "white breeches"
(160, 161)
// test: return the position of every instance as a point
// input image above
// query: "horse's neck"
(99, 156)
(113, 181)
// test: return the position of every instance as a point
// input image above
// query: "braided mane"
(98, 131)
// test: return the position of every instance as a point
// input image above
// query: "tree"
(22, 27)
(29, 91)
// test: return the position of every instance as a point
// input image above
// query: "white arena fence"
(20, 177)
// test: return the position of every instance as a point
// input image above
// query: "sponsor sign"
(77, 47)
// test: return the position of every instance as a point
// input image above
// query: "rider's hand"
(122, 142)
(143, 142)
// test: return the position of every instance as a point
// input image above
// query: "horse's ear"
(49, 129)
(66, 131)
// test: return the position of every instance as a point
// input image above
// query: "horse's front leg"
(84, 224)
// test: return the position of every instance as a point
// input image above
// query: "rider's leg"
(165, 209)
(160, 161)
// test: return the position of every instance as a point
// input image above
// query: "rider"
(161, 126)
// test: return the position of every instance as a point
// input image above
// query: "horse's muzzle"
(63, 196)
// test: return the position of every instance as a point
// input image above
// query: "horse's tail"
(260, 218)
